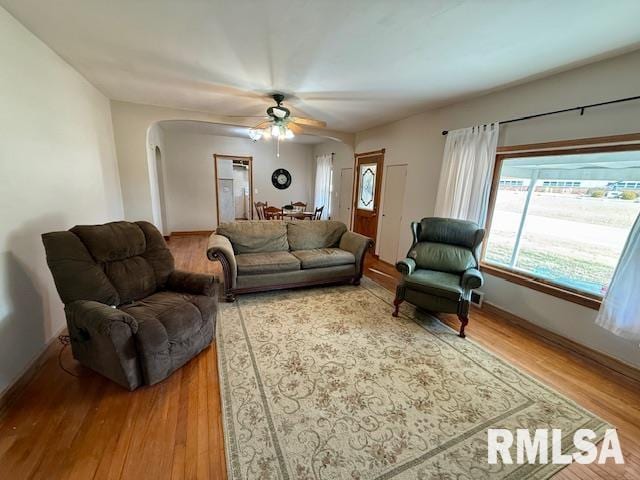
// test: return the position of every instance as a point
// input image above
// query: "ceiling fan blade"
(246, 116)
(263, 124)
(297, 129)
(309, 121)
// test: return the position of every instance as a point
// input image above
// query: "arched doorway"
(161, 196)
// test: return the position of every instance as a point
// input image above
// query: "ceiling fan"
(279, 123)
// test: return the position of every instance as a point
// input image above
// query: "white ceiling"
(206, 128)
(354, 64)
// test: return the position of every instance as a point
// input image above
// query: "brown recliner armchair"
(131, 316)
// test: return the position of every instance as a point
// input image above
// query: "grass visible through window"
(572, 234)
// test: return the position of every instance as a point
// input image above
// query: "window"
(568, 223)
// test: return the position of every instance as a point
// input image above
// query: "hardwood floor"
(61, 426)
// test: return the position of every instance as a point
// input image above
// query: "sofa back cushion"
(75, 272)
(309, 235)
(451, 231)
(134, 256)
(256, 236)
(115, 263)
(442, 257)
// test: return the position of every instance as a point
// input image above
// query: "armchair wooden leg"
(464, 320)
(396, 304)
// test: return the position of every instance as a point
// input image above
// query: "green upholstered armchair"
(441, 267)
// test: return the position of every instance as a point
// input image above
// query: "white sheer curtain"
(620, 310)
(467, 169)
(323, 184)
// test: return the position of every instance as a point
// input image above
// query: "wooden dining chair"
(301, 205)
(273, 213)
(318, 213)
(260, 206)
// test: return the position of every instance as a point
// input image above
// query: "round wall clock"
(281, 179)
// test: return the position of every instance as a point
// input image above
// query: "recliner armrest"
(220, 248)
(406, 266)
(103, 338)
(472, 278)
(193, 283)
(98, 318)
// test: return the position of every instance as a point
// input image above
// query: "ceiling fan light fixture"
(255, 134)
(279, 112)
(279, 125)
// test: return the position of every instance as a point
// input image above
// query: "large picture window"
(562, 217)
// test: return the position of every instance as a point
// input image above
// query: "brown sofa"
(274, 254)
(131, 316)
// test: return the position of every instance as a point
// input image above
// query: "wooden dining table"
(299, 214)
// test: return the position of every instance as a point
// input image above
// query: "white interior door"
(346, 190)
(241, 191)
(395, 180)
(226, 207)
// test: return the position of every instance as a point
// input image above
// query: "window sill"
(540, 285)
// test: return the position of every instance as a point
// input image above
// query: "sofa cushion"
(448, 230)
(172, 328)
(133, 278)
(180, 314)
(76, 273)
(306, 235)
(256, 236)
(324, 257)
(272, 262)
(442, 257)
(441, 284)
(134, 256)
(112, 241)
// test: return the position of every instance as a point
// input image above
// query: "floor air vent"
(477, 298)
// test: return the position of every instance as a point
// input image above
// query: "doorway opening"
(160, 179)
(234, 188)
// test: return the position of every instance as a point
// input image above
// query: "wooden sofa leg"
(229, 297)
(355, 281)
(396, 304)
(464, 320)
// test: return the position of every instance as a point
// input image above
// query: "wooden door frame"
(354, 195)
(217, 156)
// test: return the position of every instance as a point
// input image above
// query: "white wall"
(408, 142)
(418, 141)
(190, 177)
(58, 169)
(342, 158)
(131, 122)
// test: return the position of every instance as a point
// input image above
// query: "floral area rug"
(324, 383)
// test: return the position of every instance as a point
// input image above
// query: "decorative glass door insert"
(367, 190)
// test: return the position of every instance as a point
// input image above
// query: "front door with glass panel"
(367, 192)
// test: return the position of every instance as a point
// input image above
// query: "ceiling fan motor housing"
(278, 113)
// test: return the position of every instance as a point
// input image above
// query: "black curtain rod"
(564, 110)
